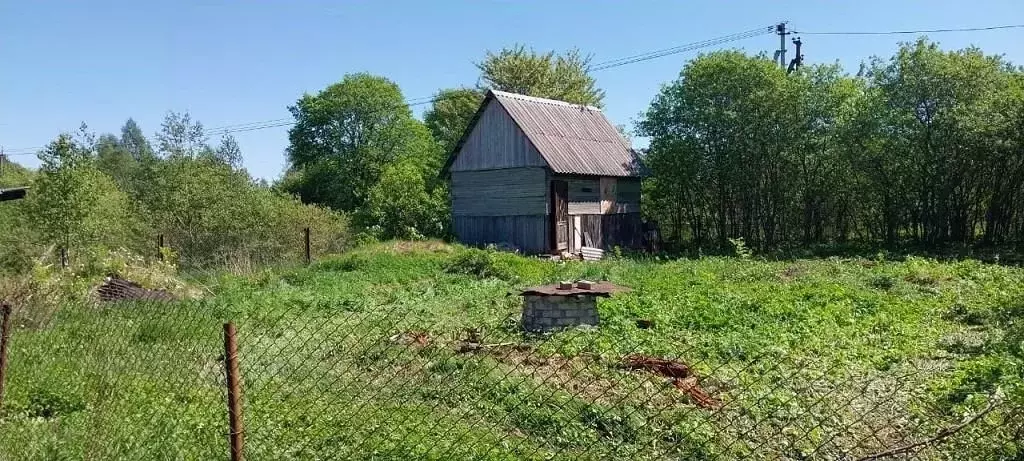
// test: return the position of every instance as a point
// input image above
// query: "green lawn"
(357, 357)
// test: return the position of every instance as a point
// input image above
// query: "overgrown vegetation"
(359, 354)
(90, 197)
(924, 147)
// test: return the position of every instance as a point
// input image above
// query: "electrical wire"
(280, 122)
(921, 31)
(681, 48)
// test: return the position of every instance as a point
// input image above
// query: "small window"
(587, 189)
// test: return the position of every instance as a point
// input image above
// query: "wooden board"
(592, 254)
(560, 213)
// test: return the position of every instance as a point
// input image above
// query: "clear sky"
(231, 62)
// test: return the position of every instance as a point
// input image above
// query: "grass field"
(358, 356)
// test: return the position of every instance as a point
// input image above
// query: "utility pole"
(798, 60)
(780, 54)
(3, 159)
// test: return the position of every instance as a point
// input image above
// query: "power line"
(274, 123)
(681, 48)
(922, 31)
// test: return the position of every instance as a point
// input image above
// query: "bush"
(481, 264)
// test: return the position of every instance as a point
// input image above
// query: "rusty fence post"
(5, 337)
(237, 434)
(309, 256)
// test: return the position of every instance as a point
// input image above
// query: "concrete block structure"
(564, 305)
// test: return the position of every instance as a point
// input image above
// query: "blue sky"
(230, 62)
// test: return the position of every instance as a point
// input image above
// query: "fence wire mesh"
(411, 367)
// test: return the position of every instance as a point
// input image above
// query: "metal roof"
(572, 138)
(604, 289)
(13, 194)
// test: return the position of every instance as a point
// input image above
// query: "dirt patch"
(414, 337)
(792, 273)
(428, 246)
(680, 375)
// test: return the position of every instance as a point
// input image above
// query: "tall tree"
(73, 204)
(450, 114)
(180, 136)
(564, 77)
(723, 142)
(346, 135)
(135, 142)
(117, 162)
(229, 152)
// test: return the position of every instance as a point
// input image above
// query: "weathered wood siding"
(584, 194)
(627, 196)
(496, 142)
(527, 233)
(610, 230)
(508, 192)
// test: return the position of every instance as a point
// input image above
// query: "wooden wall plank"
(496, 142)
(527, 233)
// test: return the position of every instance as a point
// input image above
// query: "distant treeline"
(926, 147)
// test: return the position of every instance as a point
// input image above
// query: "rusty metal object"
(605, 289)
(118, 289)
(236, 436)
(5, 336)
(309, 256)
(681, 376)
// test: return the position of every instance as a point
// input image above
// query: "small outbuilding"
(544, 176)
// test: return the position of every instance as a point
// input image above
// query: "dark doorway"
(559, 216)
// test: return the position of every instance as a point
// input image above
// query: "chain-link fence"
(399, 377)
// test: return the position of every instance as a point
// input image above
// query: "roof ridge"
(536, 99)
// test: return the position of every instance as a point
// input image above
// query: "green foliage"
(399, 205)
(481, 264)
(73, 205)
(211, 213)
(740, 248)
(346, 135)
(796, 349)
(450, 114)
(355, 147)
(564, 77)
(923, 147)
(17, 247)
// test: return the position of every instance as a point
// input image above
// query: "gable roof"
(572, 138)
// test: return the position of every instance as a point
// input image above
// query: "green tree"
(18, 243)
(450, 114)
(180, 136)
(401, 206)
(135, 142)
(228, 151)
(345, 136)
(73, 205)
(117, 162)
(520, 70)
(723, 140)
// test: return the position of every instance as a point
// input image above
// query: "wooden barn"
(544, 176)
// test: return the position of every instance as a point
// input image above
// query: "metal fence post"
(63, 258)
(160, 247)
(5, 336)
(236, 436)
(309, 257)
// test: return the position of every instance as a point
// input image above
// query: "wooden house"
(543, 176)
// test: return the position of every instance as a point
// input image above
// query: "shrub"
(481, 264)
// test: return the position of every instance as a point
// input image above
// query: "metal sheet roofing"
(572, 138)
